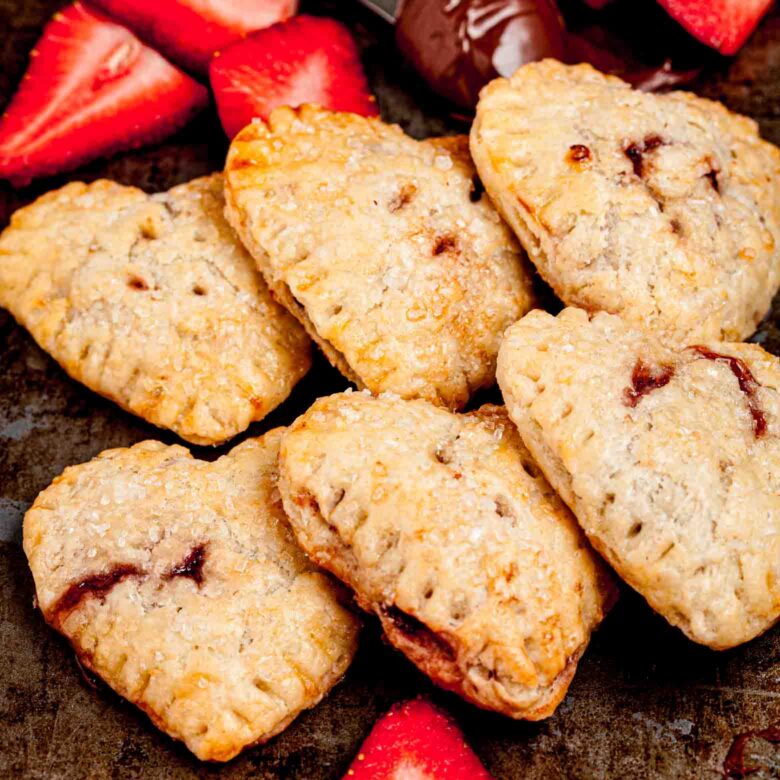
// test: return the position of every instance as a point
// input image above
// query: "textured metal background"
(645, 702)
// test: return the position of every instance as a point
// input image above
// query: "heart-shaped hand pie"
(664, 209)
(151, 301)
(669, 458)
(384, 247)
(178, 582)
(445, 528)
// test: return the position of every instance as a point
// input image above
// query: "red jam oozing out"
(712, 175)
(191, 566)
(737, 764)
(645, 379)
(417, 631)
(97, 585)
(636, 152)
(445, 243)
(747, 384)
(579, 153)
(477, 189)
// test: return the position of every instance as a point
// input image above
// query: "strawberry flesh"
(722, 24)
(189, 31)
(92, 89)
(306, 59)
(416, 741)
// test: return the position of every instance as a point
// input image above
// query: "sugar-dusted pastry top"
(444, 527)
(151, 301)
(386, 249)
(179, 583)
(664, 209)
(669, 458)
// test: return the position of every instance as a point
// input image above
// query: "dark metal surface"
(645, 703)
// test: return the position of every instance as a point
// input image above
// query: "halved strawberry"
(306, 59)
(723, 24)
(92, 89)
(190, 31)
(416, 741)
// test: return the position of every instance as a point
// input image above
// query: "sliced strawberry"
(416, 741)
(92, 89)
(190, 31)
(306, 59)
(723, 24)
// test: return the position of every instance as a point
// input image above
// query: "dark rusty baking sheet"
(645, 703)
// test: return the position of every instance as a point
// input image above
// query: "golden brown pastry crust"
(151, 301)
(664, 209)
(668, 457)
(384, 247)
(444, 527)
(179, 583)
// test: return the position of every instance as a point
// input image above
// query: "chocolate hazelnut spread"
(460, 45)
